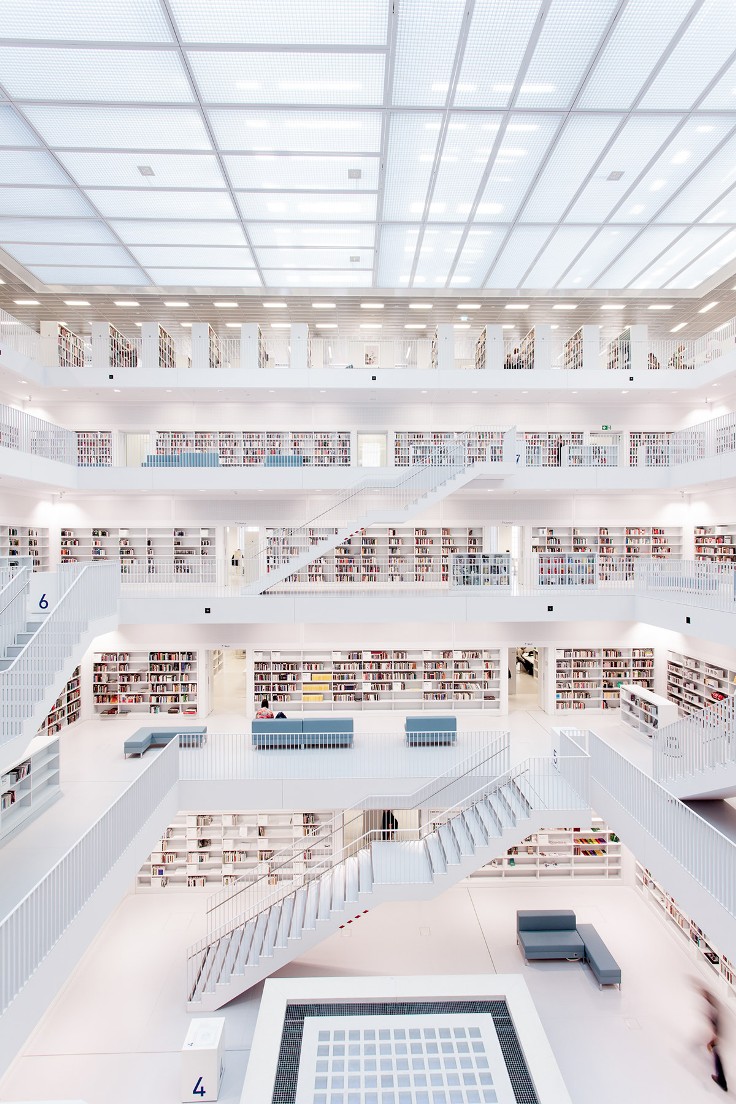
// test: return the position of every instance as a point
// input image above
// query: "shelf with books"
(66, 708)
(181, 551)
(481, 569)
(618, 352)
(715, 543)
(18, 541)
(572, 352)
(611, 543)
(591, 678)
(145, 682)
(693, 684)
(94, 448)
(649, 448)
(645, 711)
(254, 448)
(412, 446)
(592, 851)
(201, 850)
(543, 448)
(61, 347)
(28, 786)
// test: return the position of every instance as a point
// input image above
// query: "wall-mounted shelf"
(29, 785)
(586, 852)
(693, 684)
(591, 678)
(145, 682)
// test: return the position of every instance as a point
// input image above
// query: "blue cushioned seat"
(144, 738)
(430, 731)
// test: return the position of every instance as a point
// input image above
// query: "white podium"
(202, 1062)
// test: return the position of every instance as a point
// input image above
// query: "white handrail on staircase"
(696, 743)
(13, 604)
(88, 592)
(38, 921)
(26, 433)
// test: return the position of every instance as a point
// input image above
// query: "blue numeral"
(197, 1090)
(43, 602)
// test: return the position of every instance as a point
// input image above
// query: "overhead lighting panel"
(126, 303)
(224, 304)
(175, 303)
(708, 307)
(678, 327)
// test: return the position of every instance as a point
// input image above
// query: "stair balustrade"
(697, 743)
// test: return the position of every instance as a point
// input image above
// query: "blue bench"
(183, 460)
(321, 732)
(290, 460)
(606, 969)
(145, 738)
(430, 731)
(555, 933)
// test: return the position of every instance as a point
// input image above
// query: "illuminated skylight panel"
(63, 73)
(436, 256)
(519, 252)
(122, 170)
(160, 232)
(29, 167)
(468, 143)
(13, 130)
(411, 150)
(710, 264)
(55, 254)
(204, 277)
(79, 231)
(254, 77)
(525, 143)
(638, 40)
(331, 206)
(564, 245)
(338, 278)
(237, 129)
(191, 256)
(648, 244)
(279, 174)
(579, 145)
(163, 204)
(601, 251)
(117, 127)
(722, 97)
(322, 235)
(396, 255)
(43, 201)
(426, 43)
(290, 257)
(680, 253)
(562, 55)
(88, 20)
(709, 183)
(478, 253)
(57, 276)
(497, 40)
(706, 45)
(630, 153)
(332, 22)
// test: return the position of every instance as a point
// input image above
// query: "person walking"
(713, 1012)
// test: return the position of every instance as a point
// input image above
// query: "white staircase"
(443, 468)
(280, 920)
(696, 756)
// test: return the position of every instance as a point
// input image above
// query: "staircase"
(281, 920)
(696, 756)
(442, 469)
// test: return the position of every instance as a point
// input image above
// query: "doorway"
(372, 450)
(137, 448)
(526, 669)
(228, 674)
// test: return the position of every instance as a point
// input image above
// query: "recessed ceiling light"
(517, 306)
(281, 325)
(525, 392)
(76, 303)
(168, 390)
(660, 306)
(325, 325)
(233, 325)
(424, 392)
(420, 306)
(679, 326)
(565, 306)
(223, 303)
(28, 302)
(371, 325)
(461, 326)
(272, 305)
(708, 306)
(126, 302)
(554, 327)
(624, 392)
(175, 303)
(656, 185)
(681, 157)
(415, 326)
(473, 392)
(508, 326)
(468, 306)
(574, 392)
(116, 390)
(613, 306)
(323, 306)
(186, 325)
(371, 306)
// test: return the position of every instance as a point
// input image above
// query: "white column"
(542, 347)
(149, 345)
(639, 348)
(50, 344)
(299, 341)
(201, 346)
(591, 346)
(445, 347)
(101, 345)
(249, 347)
(494, 347)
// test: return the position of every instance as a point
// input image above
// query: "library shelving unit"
(206, 850)
(645, 711)
(434, 352)
(524, 359)
(20, 540)
(66, 708)
(390, 678)
(480, 351)
(28, 786)
(649, 448)
(384, 556)
(694, 683)
(61, 346)
(591, 678)
(166, 349)
(544, 448)
(715, 543)
(484, 445)
(251, 448)
(123, 353)
(589, 852)
(609, 541)
(481, 569)
(145, 682)
(572, 351)
(702, 947)
(218, 661)
(567, 569)
(214, 352)
(189, 551)
(618, 352)
(94, 448)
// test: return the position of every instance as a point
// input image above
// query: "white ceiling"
(499, 144)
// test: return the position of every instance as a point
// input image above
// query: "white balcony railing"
(379, 353)
(13, 604)
(36, 436)
(16, 335)
(697, 743)
(688, 582)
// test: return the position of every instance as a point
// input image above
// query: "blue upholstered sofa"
(555, 933)
(183, 460)
(290, 460)
(430, 731)
(145, 738)
(317, 732)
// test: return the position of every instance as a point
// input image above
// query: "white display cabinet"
(588, 852)
(28, 786)
(645, 711)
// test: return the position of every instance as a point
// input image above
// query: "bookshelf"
(567, 569)
(715, 543)
(611, 542)
(250, 448)
(572, 352)
(702, 948)
(544, 449)
(66, 708)
(181, 551)
(123, 353)
(591, 678)
(484, 446)
(645, 711)
(28, 786)
(94, 448)
(381, 556)
(693, 684)
(145, 682)
(649, 449)
(166, 349)
(480, 351)
(618, 352)
(22, 540)
(480, 569)
(390, 678)
(588, 852)
(61, 346)
(202, 850)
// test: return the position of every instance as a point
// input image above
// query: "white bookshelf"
(484, 445)
(480, 569)
(715, 543)
(251, 448)
(618, 352)
(649, 448)
(66, 709)
(17, 541)
(567, 569)
(693, 684)
(61, 346)
(586, 852)
(645, 711)
(206, 850)
(390, 678)
(183, 551)
(145, 682)
(591, 678)
(28, 786)
(701, 947)
(94, 448)
(610, 542)
(544, 448)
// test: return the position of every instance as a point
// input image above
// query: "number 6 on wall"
(43, 602)
(199, 1089)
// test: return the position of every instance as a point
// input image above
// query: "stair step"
(216, 962)
(503, 814)
(338, 887)
(351, 879)
(236, 951)
(310, 911)
(513, 799)
(487, 814)
(462, 835)
(254, 948)
(449, 845)
(203, 970)
(269, 938)
(13, 650)
(365, 875)
(435, 854)
(22, 638)
(324, 903)
(475, 826)
(297, 914)
(282, 935)
(525, 795)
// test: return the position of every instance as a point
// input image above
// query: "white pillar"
(542, 347)
(201, 346)
(494, 347)
(249, 347)
(101, 345)
(445, 338)
(50, 344)
(149, 346)
(299, 341)
(639, 348)
(591, 346)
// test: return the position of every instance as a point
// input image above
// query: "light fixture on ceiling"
(681, 157)
(508, 326)
(613, 306)
(116, 390)
(657, 185)
(275, 305)
(281, 325)
(624, 392)
(415, 326)
(325, 325)
(371, 325)
(468, 306)
(461, 326)
(424, 392)
(420, 306)
(554, 326)
(175, 303)
(139, 324)
(224, 304)
(233, 325)
(708, 307)
(27, 302)
(186, 325)
(323, 306)
(145, 170)
(565, 306)
(660, 306)
(371, 306)
(77, 303)
(679, 326)
(517, 306)
(126, 302)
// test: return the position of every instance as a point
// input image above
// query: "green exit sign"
(605, 427)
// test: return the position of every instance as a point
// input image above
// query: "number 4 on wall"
(199, 1089)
